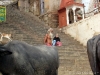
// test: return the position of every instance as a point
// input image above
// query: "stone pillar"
(82, 9)
(67, 11)
(74, 13)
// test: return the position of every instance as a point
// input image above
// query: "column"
(74, 13)
(82, 9)
(67, 11)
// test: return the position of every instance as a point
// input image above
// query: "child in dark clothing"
(56, 38)
(56, 41)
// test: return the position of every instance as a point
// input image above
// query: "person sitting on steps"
(49, 37)
(56, 41)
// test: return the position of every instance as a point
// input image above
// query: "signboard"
(2, 13)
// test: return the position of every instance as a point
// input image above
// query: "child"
(56, 41)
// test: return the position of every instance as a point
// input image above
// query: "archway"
(78, 14)
(71, 16)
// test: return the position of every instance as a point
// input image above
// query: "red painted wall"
(62, 17)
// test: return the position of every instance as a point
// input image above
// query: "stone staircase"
(28, 28)
(73, 57)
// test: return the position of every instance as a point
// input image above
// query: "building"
(38, 7)
(70, 12)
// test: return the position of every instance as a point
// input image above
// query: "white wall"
(84, 29)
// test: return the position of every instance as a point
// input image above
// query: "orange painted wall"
(62, 18)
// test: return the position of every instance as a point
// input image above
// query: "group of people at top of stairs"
(49, 40)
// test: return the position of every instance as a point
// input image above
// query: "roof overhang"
(71, 4)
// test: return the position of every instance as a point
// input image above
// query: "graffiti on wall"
(2, 13)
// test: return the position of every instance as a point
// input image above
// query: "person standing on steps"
(49, 37)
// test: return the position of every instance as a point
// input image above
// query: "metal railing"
(93, 12)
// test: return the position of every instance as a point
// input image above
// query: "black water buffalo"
(93, 50)
(20, 58)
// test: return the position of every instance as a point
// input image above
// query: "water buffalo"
(20, 58)
(93, 51)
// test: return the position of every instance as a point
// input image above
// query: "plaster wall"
(78, 1)
(46, 5)
(23, 5)
(84, 29)
(54, 5)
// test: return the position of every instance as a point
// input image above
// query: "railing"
(93, 12)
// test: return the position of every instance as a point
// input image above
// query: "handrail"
(93, 11)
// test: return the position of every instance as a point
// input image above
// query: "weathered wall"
(62, 18)
(50, 15)
(54, 4)
(78, 1)
(84, 29)
(46, 5)
(50, 19)
(32, 6)
(51, 5)
(23, 5)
